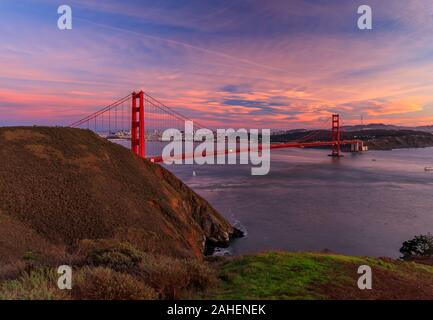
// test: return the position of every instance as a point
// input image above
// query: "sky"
(241, 63)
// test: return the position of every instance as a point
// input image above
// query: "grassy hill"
(60, 186)
(279, 275)
(128, 227)
(131, 230)
(375, 139)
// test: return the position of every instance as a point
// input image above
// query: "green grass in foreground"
(122, 272)
(281, 275)
(272, 276)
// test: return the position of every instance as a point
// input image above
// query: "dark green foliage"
(419, 246)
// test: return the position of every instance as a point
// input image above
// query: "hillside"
(375, 139)
(278, 275)
(131, 230)
(61, 186)
(392, 139)
(381, 126)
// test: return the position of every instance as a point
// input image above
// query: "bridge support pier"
(336, 136)
(137, 125)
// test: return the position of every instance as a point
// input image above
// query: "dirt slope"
(59, 186)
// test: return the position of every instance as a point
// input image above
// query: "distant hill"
(381, 126)
(376, 139)
(425, 128)
(392, 139)
(61, 186)
(371, 126)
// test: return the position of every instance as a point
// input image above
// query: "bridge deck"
(272, 146)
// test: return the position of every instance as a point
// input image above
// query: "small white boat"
(428, 169)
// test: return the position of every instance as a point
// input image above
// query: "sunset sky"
(241, 63)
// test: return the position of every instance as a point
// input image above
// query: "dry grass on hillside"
(61, 185)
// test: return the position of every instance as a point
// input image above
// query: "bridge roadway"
(272, 146)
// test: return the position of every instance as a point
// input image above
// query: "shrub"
(35, 285)
(202, 277)
(419, 246)
(106, 284)
(121, 257)
(166, 275)
(173, 278)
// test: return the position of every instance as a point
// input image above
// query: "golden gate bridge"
(141, 118)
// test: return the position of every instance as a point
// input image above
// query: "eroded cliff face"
(60, 186)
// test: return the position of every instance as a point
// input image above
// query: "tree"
(419, 246)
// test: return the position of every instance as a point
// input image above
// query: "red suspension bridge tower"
(336, 136)
(137, 124)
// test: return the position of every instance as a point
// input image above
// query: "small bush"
(121, 257)
(35, 285)
(419, 246)
(174, 278)
(202, 277)
(105, 284)
(168, 276)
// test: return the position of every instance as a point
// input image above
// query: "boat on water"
(428, 169)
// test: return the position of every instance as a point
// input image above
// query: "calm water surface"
(365, 204)
(362, 204)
